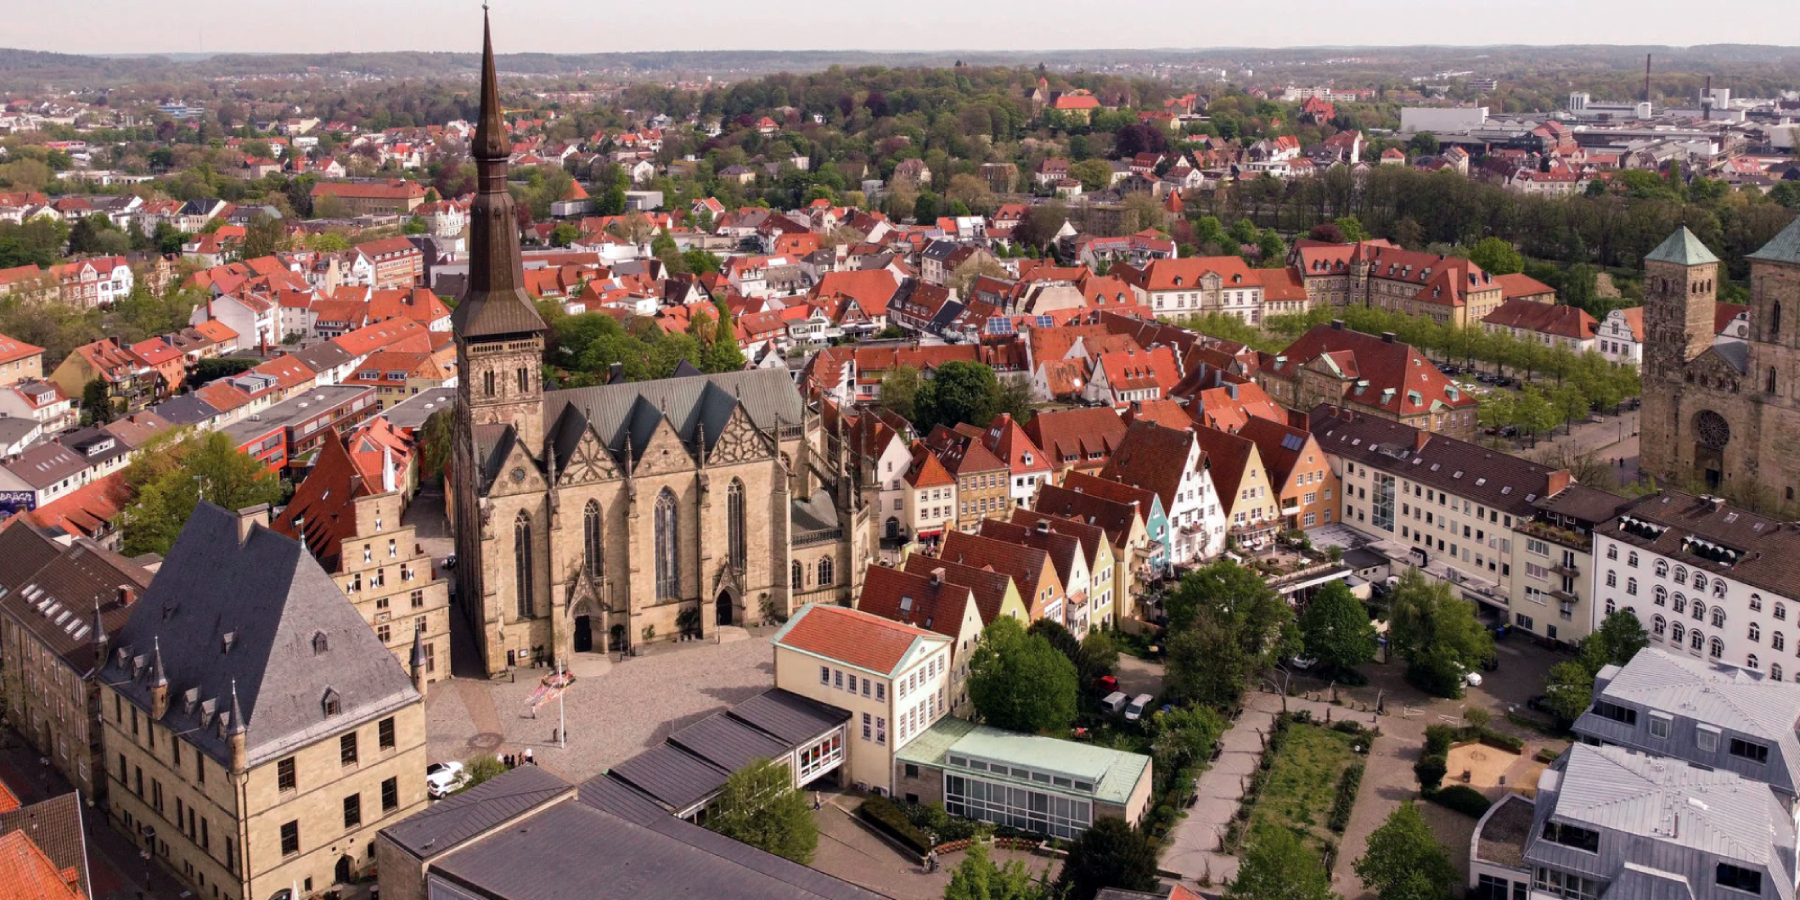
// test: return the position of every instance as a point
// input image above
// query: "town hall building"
(596, 518)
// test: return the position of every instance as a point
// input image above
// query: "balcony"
(1567, 570)
(1565, 597)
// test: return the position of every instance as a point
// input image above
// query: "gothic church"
(1720, 414)
(596, 518)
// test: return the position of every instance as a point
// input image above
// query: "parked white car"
(1139, 705)
(444, 779)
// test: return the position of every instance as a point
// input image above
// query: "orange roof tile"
(864, 640)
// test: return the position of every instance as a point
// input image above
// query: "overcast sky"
(585, 26)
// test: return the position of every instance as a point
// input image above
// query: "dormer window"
(331, 703)
(320, 643)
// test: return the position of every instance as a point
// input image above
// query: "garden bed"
(1293, 788)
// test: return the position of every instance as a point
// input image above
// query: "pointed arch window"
(1775, 321)
(1769, 383)
(522, 559)
(668, 552)
(798, 576)
(825, 573)
(592, 546)
(734, 527)
(487, 383)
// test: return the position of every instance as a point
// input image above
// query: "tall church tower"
(499, 334)
(1680, 296)
(499, 354)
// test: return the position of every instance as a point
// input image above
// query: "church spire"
(494, 303)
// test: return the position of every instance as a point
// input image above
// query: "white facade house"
(1707, 580)
(1621, 336)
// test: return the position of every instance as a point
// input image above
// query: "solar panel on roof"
(1292, 442)
(1046, 322)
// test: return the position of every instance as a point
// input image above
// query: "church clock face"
(518, 475)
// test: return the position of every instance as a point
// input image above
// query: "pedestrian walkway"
(1193, 849)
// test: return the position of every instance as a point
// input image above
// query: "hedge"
(1430, 772)
(1438, 739)
(1502, 741)
(1345, 799)
(882, 813)
(1463, 799)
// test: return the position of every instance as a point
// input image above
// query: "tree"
(700, 262)
(722, 353)
(1013, 398)
(1111, 853)
(1278, 866)
(564, 234)
(1352, 228)
(480, 768)
(1141, 137)
(1423, 144)
(1436, 633)
(1404, 860)
(1009, 657)
(1570, 683)
(415, 225)
(263, 236)
(900, 391)
(760, 806)
(1335, 628)
(977, 878)
(1227, 624)
(171, 476)
(436, 444)
(960, 391)
(1094, 174)
(976, 266)
(1497, 256)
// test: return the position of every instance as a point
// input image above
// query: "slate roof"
(690, 403)
(54, 591)
(1766, 547)
(1505, 482)
(1783, 248)
(450, 822)
(611, 842)
(787, 716)
(1743, 701)
(1683, 248)
(671, 776)
(293, 639)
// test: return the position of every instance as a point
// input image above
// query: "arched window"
(1775, 671)
(1776, 641)
(1719, 592)
(1662, 568)
(1781, 611)
(1775, 320)
(1661, 596)
(1659, 625)
(668, 551)
(1612, 578)
(1699, 581)
(1755, 631)
(321, 643)
(1749, 660)
(1676, 633)
(522, 563)
(1680, 604)
(592, 546)
(487, 383)
(1631, 559)
(1631, 586)
(734, 525)
(524, 380)
(1714, 649)
(799, 575)
(1755, 602)
(1681, 574)
(1718, 615)
(1699, 611)
(331, 702)
(1612, 550)
(1769, 380)
(1610, 606)
(824, 571)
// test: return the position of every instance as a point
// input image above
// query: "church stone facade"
(1722, 416)
(597, 518)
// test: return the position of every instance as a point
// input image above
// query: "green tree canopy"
(171, 475)
(1404, 860)
(1007, 658)
(1497, 256)
(1335, 628)
(760, 806)
(959, 391)
(1278, 866)
(900, 391)
(1436, 633)
(1111, 853)
(977, 878)
(1570, 683)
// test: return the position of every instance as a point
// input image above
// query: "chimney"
(1706, 101)
(1420, 439)
(1646, 78)
(1337, 324)
(249, 517)
(1559, 480)
(127, 595)
(1043, 526)
(1387, 337)
(937, 576)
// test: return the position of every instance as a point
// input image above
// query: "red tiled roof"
(1076, 433)
(1152, 457)
(1025, 565)
(914, 600)
(12, 349)
(1723, 313)
(86, 512)
(926, 470)
(1545, 318)
(1399, 378)
(864, 640)
(26, 872)
(1519, 284)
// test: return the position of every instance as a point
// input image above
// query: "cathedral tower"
(1680, 296)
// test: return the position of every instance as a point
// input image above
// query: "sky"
(585, 26)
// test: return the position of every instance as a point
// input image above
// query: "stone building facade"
(1722, 416)
(594, 518)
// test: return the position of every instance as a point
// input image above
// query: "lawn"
(1298, 792)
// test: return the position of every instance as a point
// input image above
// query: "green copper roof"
(1683, 249)
(1784, 248)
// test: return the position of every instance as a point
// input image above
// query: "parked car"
(1139, 704)
(1114, 701)
(1538, 702)
(444, 779)
(1473, 679)
(1302, 662)
(1107, 684)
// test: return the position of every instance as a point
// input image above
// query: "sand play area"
(1491, 770)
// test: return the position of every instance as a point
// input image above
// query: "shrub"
(1430, 772)
(1462, 798)
(1546, 756)
(1345, 799)
(1438, 739)
(883, 814)
(1503, 741)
